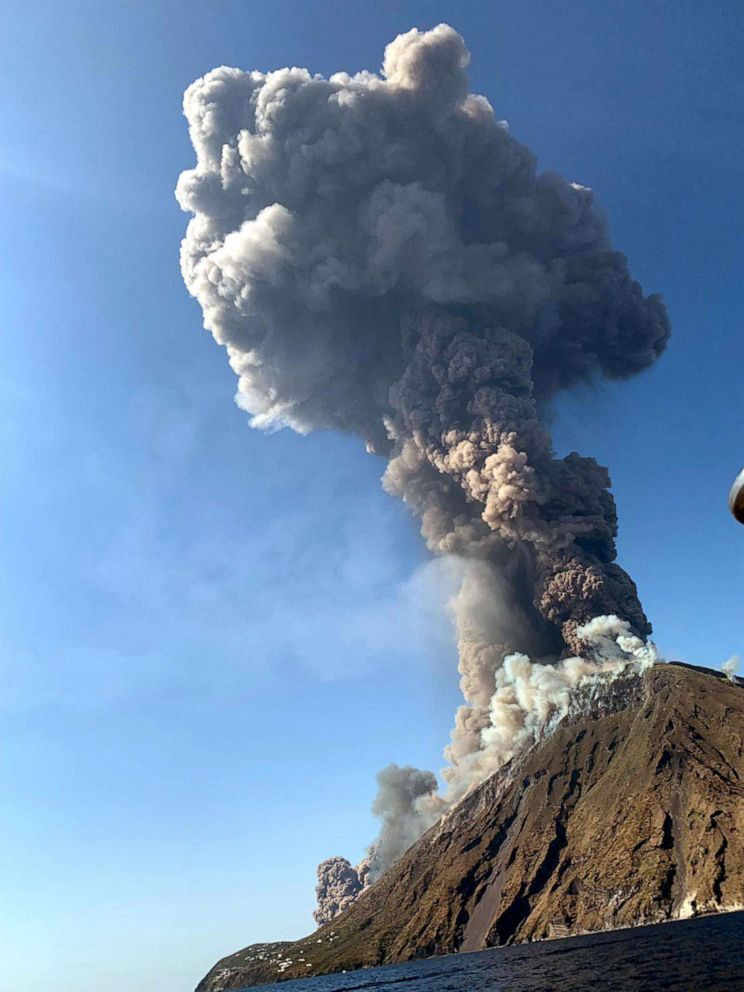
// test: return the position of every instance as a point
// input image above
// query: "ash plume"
(407, 805)
(338, 886)
(379, 255)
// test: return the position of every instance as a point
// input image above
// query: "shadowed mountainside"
(630, 812)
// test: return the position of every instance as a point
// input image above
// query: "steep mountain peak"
(630, 812)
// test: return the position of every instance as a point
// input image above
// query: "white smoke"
(731, 667)
(532, 696)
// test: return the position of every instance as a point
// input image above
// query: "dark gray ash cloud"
(338, 886)
(379, 255)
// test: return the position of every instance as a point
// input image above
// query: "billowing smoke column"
(407, 804)
(379, 255)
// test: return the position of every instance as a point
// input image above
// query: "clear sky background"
(212, 639)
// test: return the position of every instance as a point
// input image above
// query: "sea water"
(702, 955)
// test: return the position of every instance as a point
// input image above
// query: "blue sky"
(211, 638)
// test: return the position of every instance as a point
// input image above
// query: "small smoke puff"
(731, 667)
(337, 888)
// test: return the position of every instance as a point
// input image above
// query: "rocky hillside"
(631, 812)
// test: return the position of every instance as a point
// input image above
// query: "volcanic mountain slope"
(631, 812)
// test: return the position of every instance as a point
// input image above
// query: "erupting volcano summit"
(378, 255)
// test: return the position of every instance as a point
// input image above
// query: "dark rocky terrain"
(630, 812)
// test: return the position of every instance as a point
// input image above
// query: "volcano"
(630, 812)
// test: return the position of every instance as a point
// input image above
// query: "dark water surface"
(703, 955)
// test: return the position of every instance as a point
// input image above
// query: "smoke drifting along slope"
(379, 255)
